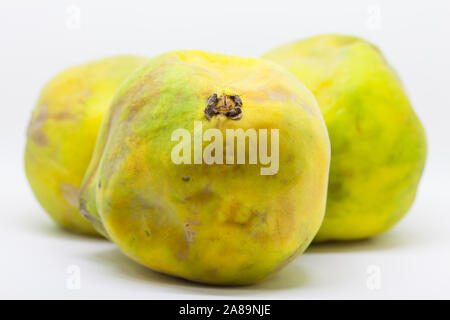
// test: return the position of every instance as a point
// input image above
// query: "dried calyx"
(227, 105)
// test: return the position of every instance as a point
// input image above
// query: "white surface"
(413, 259)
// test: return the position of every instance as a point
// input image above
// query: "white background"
(40, 39)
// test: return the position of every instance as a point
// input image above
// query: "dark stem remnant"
(227, 105)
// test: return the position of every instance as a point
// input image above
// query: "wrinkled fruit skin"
(62, 132)
(378, 144)
(217, 224)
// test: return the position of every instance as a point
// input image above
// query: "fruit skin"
(378, 144)
(217, 224)
(62, 132)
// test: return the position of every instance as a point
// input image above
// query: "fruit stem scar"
(227, 105)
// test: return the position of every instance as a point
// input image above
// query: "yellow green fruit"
(62, 133)
(378, 144)
(216, 223)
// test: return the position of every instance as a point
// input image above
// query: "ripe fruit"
(62, 133)
(378, 144)
(218, 223)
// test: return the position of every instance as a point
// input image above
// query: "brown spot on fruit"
(39, 138)
(189, 232)
(38, 121)
(93, 219)
(182, 254)
(190, 222)
(63, 115)
(70, 193)
(212, 273)
(34, 131)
